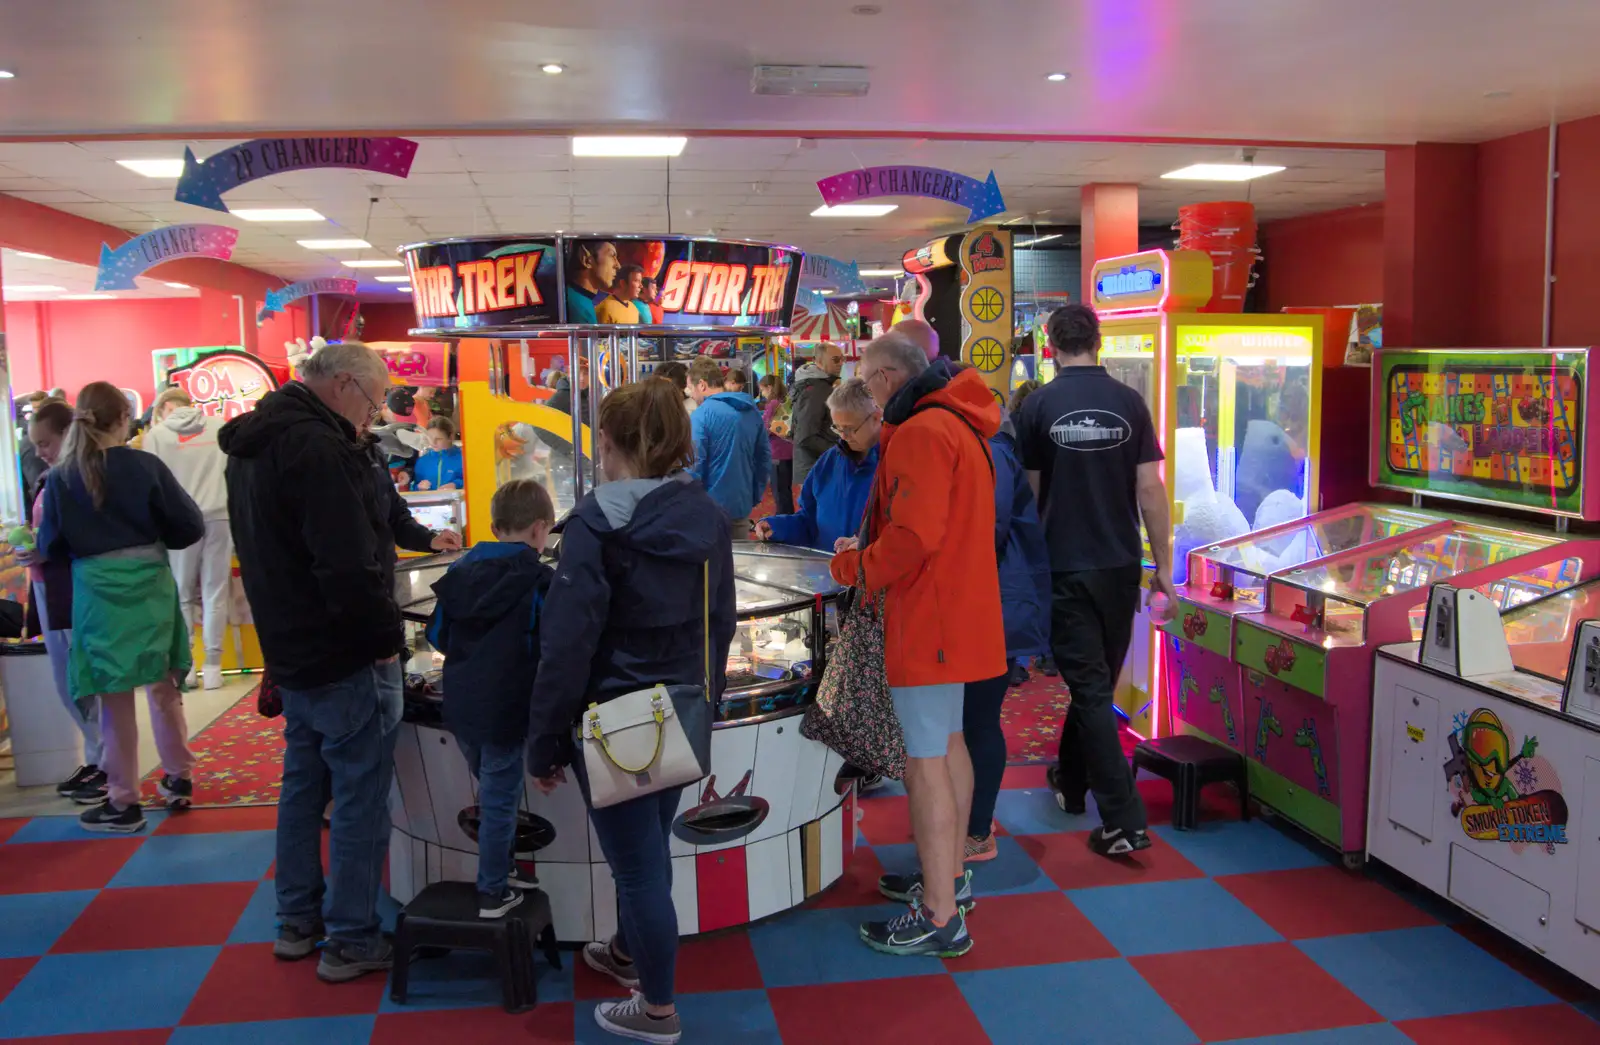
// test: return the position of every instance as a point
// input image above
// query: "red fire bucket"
(1227, 231)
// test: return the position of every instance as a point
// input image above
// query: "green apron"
(128, 628)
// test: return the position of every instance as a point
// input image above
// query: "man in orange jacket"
(929, 546)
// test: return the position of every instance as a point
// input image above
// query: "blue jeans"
(498, 771)
(635, 837)
(341, 734)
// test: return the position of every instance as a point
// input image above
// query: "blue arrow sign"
(981, 198)
(845, 277)
(119, 267)
(204, 182)
(277, 299)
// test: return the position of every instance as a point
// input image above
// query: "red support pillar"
(1429, 244)
(1109, 222)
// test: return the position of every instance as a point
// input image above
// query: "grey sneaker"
(598, 957)
(294, 943)
(343, 961)
(628, 1019)
(907, 888)
(913, 934)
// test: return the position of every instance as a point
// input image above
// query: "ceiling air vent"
(816, 81)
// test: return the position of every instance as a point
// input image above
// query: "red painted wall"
(1507, 291)
(1576, 314)
(70, 343)
(388, 321)
(1331, 258)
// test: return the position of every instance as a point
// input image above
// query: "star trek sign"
(573, 281)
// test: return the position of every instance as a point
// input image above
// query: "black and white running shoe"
(81, 777)
(106, 818)
(1113, 841)
(178, 792)
(914, 934)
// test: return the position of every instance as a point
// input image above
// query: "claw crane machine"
(1236, 398)
(1304, 608)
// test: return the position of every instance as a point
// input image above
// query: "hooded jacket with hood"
(929, 541)
(186, 442)
(315, 547)
(809, 421)
(646, 571)
(485, 622)
(731, 456)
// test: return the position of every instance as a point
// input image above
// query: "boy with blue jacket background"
(440, 468)
(731, 456)
(486, 622)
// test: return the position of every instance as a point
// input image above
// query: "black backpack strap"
(983, 443)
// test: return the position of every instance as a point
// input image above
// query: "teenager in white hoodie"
(185, 439)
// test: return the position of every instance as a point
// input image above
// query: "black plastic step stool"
(445, 915)
(1190, 763)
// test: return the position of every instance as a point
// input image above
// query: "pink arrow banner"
(119, 267)
(204, 181)
(981, 198)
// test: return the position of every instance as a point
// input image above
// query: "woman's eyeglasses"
(846, 433)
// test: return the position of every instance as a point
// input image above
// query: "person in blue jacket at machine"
(835, 493)
(732, 458)
(440, 468)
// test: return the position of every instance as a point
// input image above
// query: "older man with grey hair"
(928, 543)
(316, 556)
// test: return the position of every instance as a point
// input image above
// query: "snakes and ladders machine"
(771, 826)
(1271, 650)
(1236, 401)
(1485, 774)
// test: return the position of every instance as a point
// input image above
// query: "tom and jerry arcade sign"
(465, 285)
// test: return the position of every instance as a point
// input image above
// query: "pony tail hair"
(100, 410)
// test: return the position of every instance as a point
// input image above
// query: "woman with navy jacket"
(644, 580)
(1025, 605)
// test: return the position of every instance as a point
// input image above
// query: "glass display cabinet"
(770, 826)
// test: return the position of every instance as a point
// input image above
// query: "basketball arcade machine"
(1236, 400)
(769, 828)
(964, 291)
(1304, 607)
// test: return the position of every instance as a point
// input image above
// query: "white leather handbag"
(651, 739)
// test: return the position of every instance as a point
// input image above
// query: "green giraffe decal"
(1268, 723)
(1187, 685)
(1219, 695)
(1306, 736)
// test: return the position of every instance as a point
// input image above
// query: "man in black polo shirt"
(1090, 452)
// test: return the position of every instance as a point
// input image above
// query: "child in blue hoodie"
(486, 622)
(440, 468)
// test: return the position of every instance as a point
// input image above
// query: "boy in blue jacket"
(440, 468)
(731, 455)
(485, 622)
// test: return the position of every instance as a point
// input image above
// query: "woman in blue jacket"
(1025, 604)
(835, 493)
(644, 580)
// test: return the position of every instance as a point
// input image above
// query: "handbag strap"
(705, 607)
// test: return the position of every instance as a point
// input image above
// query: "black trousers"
(1091, 626)
(783, 487)
(986, 746)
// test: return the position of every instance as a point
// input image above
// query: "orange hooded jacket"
(931, 533)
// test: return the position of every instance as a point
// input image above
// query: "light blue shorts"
(928, 715)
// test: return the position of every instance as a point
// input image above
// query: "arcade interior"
(1362, 330)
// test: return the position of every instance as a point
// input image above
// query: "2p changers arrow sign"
(981, 198)
(278, 299)
(204, 181)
